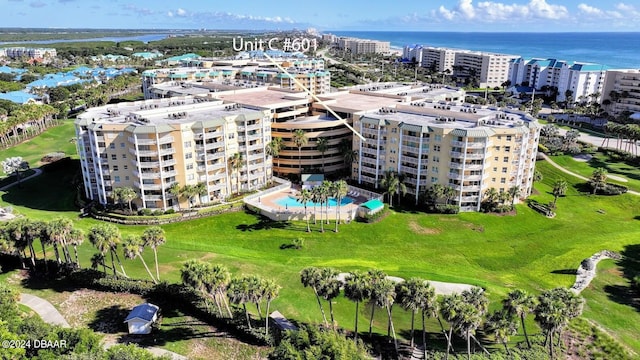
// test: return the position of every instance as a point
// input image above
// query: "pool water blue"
(291, 201)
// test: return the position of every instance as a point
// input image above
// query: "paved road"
(441, 288)
(51, 315)
(597, 141)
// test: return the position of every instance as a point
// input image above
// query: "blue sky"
(425, 15)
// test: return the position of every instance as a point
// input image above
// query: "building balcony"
(142, 141)
(167, 151)
(169, 173)
(152, 197)
(166, 140)
(147, 174)
(147, 186)
(408, 170)
(455, 176)
(169, 162)
(143, 152)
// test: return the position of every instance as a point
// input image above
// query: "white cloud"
(181, 12)
(587, 9)
(489, 11)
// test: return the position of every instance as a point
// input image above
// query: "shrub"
(447, 209)
(587, 264)
(542, 148)
(145, 212)
(371, 218)
(157, 212)
(611, 189)
(169, 212)
(298, 243)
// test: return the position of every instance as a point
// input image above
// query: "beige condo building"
(153, 144)
(622, 89)
(466, 147)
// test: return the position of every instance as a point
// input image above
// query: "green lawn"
(619, 168)
(499, 253)
(55, 139)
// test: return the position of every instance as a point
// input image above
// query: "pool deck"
(270, 208)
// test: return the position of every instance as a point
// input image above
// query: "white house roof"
(144, 312)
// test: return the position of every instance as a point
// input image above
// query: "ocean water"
(617, 50)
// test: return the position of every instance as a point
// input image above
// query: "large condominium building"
(578, 80)
(621, 92)
(490, 69)
(31, 53)
(364, 46)
(413, 53)
(309, 73)
(152, 145)
(468, 148)
(439, 59)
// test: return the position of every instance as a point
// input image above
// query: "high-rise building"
(470, 148)
(154, 145)
(621, 92)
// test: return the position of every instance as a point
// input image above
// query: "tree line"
(464, 312)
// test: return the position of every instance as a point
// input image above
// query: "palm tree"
(322, 144)
(555, 309)
(175, 190)
(106, 237)
(132, 248)
(274, 147)
(271, 291)
(559, 189)
(340, 190)
(128, 194)
(304, 197)
(239, 294)
(377, 293)
(153, 237)
(98, 259)
(598, 179)
(449, 308)
(502, 326)
(392, 185)
(300, 139)
(316, 198)
(519, 303)
(357, 289)
(235, 163)
(311, 277)
(58, 231)
(329, 288)
(406, 297)
(514, 193)
(76, 238)
(200, 189)
(425, 298)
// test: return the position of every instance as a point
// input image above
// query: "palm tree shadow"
(629, 264)
(565, 272)
(265, 223)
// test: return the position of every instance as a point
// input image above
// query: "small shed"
(370, 207)
(141, 318)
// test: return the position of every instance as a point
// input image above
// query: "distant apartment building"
(469, 148)
(490, 69)
(621, 92)
(30, 53)
(153, 144)
(413, 53)
(439, 59)
(364, 46)
(241, 73)
(579, 80)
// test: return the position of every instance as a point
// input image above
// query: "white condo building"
(413, 53)
(580, 79)
(622, 90)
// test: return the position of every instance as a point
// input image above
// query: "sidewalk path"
(37, 171)
(51, 315)
(441, 288)
(42, 307)
(552, 163)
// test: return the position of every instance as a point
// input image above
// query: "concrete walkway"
(552, 163)
(51, 315)
(441, 288)
(44, 309)
(37, 171)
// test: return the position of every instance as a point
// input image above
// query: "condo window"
(505, 159)
(189, 166)
(116, 178)
(112, 146)
(509, 138)
(114, 157)
(126, 167)
(124, 156)
(507, 148)
(504, 170)
(503, 180)
(187, 144)
(122, 145)
(115, 167)
(188, 155)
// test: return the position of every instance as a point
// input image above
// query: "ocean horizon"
(617, 50)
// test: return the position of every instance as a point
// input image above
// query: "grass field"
(600, 159)
(499, 253)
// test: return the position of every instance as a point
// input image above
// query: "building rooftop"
(464, 117)
(143, 311)
(164, 112)
(19, 97)
(354, 101)
(265, 98)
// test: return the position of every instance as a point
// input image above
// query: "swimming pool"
(291, 201)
